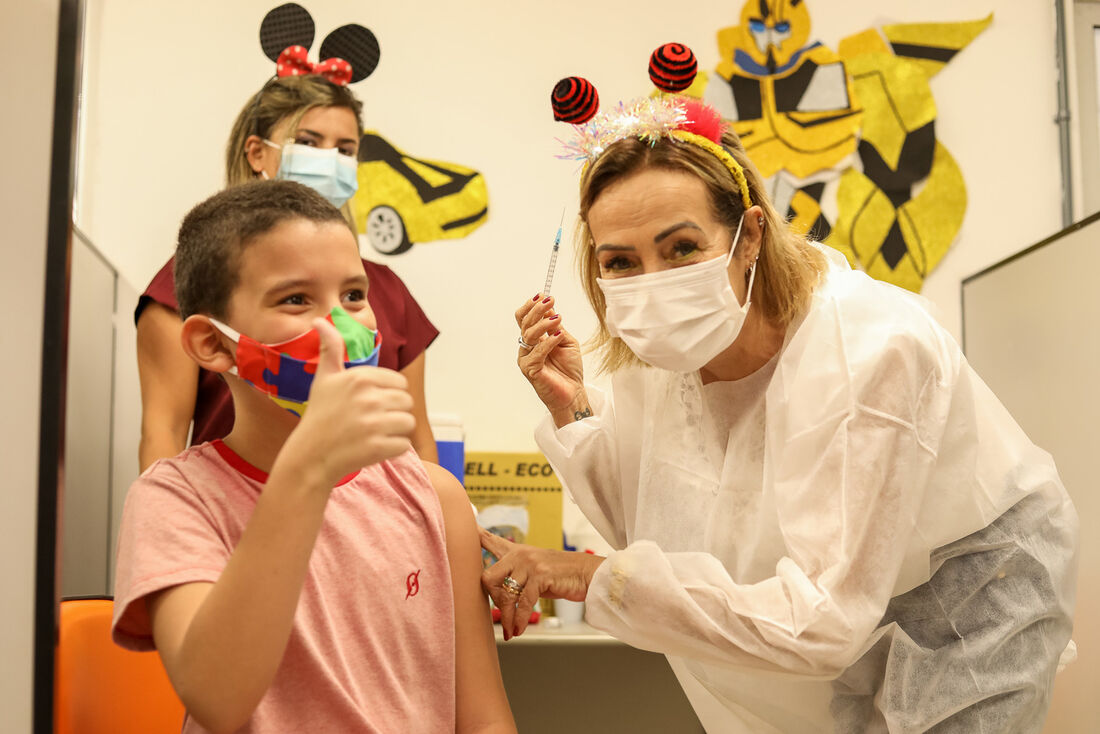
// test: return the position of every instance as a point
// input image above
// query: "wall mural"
(402, 200)
(847, 138)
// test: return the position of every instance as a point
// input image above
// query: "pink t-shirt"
(372, 646)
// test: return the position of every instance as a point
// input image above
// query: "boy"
(304, 574)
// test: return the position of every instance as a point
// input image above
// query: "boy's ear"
(205, 345)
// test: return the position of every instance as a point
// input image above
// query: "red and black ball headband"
(672, 69)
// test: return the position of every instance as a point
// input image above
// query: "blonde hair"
(789, 266)
(286, 98)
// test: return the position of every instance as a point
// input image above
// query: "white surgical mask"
(325, 170)
(678, 319)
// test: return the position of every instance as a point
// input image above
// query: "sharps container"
(450, 441)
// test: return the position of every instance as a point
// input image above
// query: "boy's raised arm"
(222, 643)
(480, 702)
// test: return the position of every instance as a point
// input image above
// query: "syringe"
(553, 256)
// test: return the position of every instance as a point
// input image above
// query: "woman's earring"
(760, 221)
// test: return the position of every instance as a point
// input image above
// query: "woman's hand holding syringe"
(552, 363)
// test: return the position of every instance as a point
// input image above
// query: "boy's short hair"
(215, 232)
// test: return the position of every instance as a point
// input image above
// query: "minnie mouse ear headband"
(672, 68)
(348, 54)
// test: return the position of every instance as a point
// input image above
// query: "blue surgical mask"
(325, 170)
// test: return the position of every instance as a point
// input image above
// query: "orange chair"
(102, 688)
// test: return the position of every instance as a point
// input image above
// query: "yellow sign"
(517, 496)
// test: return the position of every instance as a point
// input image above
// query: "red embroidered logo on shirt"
(412, 584)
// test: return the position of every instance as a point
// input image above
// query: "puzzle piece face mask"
(284, 371)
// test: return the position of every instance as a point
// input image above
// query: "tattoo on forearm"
(579, 414)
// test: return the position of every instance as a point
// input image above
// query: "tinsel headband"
(672, 68)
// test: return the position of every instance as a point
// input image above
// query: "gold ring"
(512, 586)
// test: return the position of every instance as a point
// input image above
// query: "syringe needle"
(554, 256)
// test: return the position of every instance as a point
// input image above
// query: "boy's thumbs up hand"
(355, 417)
(332, 351)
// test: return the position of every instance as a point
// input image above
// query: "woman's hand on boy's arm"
(481, 704)
(355, 417)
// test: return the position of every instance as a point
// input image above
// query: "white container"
(569, 612)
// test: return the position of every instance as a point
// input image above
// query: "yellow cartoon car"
(403, 200)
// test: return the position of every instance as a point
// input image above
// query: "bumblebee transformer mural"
(847, 138)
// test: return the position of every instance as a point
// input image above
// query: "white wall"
(31, 34)
(1050, 388)
(472, 86)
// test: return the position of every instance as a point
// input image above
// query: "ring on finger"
(525, 345)
(512, 586)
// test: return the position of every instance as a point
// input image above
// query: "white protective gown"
(857, 537)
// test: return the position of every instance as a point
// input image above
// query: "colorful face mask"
(284, 371)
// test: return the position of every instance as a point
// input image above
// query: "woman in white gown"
(820, 513)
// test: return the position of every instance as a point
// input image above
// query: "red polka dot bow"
(293, 61)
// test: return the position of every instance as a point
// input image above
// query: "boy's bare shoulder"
(452, 495)
(445, 484)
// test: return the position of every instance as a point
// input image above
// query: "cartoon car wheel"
(386, 231)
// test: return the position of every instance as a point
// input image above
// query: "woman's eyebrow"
(616, 248)
(673, 228)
